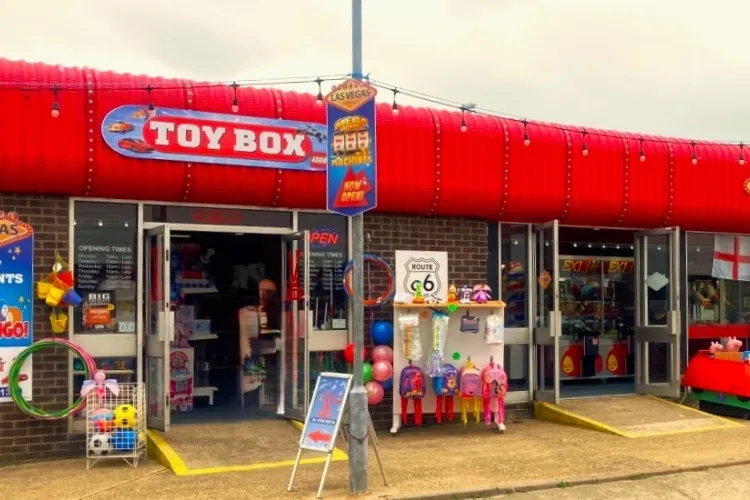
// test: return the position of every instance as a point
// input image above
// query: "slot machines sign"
(352, 172)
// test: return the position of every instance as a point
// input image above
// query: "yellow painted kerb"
(553, 413)
(167, 456)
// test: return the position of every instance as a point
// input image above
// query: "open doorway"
(225, 359)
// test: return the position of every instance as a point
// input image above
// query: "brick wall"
(23, 438)
(465, 240)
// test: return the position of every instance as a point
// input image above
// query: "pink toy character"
(481, 294)
(733, 345)
(494, 386)
(101, 383)
(715, 347)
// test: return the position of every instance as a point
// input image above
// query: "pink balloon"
(382, 370)
(375, 392)
(382, 353)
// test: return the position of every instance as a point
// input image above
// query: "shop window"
(517, 366)
(328, 258)
(105, 267)
(718, 304)
(514, 286)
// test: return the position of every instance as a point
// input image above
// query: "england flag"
(731, 258)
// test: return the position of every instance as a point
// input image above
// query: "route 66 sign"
(430, 269)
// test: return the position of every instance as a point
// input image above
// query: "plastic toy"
(411, 343)
(494, 387)
(446, 387)
(386, 295)
(452, 294)
(720, 385)
(469, 323)
(382, 353)
(99, 444)
(715, 347)
(481, 294)
(375, 392)
(125, 416)
(439, 333)
(349, 353)
(102, 384)
(494, 330)
(124, 440)
(382, 333)
(411, 386)
(382, 370)
(418, 297)
(366, 372)
(15, 376)
(733, 345)
(470, 389)
(464, 295)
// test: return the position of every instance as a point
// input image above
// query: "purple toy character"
(481, 294)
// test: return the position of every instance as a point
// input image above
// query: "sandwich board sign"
(325, 420)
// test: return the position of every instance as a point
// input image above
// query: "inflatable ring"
(385, 296)
(15, 371)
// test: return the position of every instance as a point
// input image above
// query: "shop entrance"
(226, 324)
(607, 312)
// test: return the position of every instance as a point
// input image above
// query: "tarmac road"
(716, 484)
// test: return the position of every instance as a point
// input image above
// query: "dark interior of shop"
(218, 279)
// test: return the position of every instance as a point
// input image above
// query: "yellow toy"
(470, 388)
(125, 417)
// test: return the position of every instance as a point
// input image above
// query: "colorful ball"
(125, 440)
(99, 444)
(382, 370)
(387, 384)
(375, 393)
(382, 353)
(366, 372)
(382, 333)
(349, 353)
(125, 417)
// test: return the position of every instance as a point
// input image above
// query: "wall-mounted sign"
(352, 159)
(430, 269)
(194, 136)
(16, 299)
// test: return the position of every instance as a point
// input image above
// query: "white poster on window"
(430, 269)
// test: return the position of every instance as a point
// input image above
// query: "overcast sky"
(676, 67)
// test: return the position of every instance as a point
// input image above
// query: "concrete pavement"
(729, 483)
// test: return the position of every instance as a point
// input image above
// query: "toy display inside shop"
(447, 349)
(719, 379)
(227, 324)
(597, 305)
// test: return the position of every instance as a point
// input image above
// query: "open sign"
(323, 237)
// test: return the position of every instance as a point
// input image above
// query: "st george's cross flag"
(731, 258)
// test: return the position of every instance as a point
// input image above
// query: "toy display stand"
(109, 438)
(467, 344)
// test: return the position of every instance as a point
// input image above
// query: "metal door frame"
(158, 347)
(669, 333)
(548, 335)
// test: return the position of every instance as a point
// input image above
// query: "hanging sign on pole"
(352, 156)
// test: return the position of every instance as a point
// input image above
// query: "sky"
(671, 67)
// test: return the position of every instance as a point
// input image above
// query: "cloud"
(674, 67)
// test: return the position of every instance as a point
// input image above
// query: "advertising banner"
(326, 410)
(194, 136)
(16, 299)
(352, 162)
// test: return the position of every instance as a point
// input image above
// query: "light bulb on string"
(642, 154)
(463, 119)
(526, 140)
(695, 156)
(319, 98)
(394, 106)
(235, 101)
(741, 161)
(584, 147)
(151, 108)
(55, 112)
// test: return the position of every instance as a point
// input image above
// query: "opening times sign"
(16, 299)
(352, 172)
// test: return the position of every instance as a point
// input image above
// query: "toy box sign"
(16, 298)
(193, 136)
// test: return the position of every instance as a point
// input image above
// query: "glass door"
(657, 319)
(547, 313)
(295, 324)
(159, 322)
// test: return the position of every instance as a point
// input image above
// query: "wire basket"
(116, 425)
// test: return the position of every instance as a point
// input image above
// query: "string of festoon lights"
(465, 109)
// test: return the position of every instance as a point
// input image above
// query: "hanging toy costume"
(494, 386)
(446, 387)
(470, 389)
